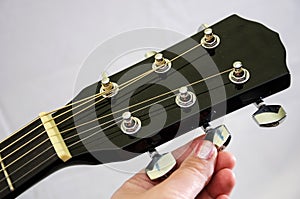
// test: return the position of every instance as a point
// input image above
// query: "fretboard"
(26, 157)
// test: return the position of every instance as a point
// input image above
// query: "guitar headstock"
(95, 132)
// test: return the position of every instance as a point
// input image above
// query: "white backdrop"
(42, 47)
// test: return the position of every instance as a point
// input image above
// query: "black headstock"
(152, 98)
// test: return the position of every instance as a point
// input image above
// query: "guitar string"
(196, 82)
(37, 166)
(52, 127)
(125, 84)
(34, 159)
(78, 142)
(75, 143)
(95, 95)
(115, 122)
(129, 82)
(172, 91)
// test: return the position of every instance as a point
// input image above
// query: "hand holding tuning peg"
(162, 165)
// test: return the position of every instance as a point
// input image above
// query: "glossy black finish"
(259, 48)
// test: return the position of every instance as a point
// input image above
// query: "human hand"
(202, 173)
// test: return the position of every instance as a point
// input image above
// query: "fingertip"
(225, 160)
(222, 183)
(223, 197)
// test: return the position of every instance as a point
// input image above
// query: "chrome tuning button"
(268, 115)
(210, 40)
(150, 54)
(185, 98)
(239, 75)
(160, 165)
(220, 136)
(161, 64)
(130, 125)
(109, 88)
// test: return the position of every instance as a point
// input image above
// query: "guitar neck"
(27, 156)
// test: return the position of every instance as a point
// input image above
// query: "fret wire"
(27, 162)
(30, 171)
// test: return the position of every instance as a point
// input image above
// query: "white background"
(43, 44)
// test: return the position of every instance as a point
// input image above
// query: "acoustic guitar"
(220, 69)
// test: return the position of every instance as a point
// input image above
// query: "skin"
(197, 177)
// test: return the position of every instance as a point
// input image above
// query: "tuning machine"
(185, 98)
(268, 115)
(161, 165)
(209, 40)
(130, 125)
(161, 64)
(219, 136)
(239, 74)
(108, 88)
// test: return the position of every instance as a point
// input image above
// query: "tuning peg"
(161, 64)
(185, 98)
(160, 165)
(130, 125)
(150, 54)
(210, 40)
(108, 88)
(220, 136)
(268, 115)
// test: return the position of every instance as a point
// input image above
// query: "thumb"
(192, 175)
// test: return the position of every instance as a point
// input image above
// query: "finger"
(221, 184)
(140, 181)
(184, 151)
(223, 197)
(192, 175)
(225, 160)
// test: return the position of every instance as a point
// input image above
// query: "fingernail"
(206, 150)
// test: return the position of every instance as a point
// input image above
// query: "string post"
(109, 88)
(210, 40)
(185, 98)
(161, 64)
(239, 75)
(130, 125)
